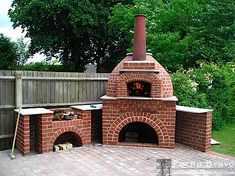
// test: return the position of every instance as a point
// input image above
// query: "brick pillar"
(45, 132)
(208, 127)
(86, 123)
(32, 134)
(23, 135)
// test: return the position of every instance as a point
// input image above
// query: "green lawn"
(226, 137)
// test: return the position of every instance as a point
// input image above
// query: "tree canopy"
(75, 31)
(8, 52)
(179, 32)
(182, 32)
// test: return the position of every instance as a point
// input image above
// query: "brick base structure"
(169, 123)
(160, 115)
(193, 127)
(39, 132)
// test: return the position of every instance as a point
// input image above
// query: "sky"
(7, 30)
(5, 24)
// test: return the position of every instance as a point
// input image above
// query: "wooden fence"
(44, 89)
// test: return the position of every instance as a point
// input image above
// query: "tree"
(22, 51)
(75, 31)
(182, 32)
(8, 53)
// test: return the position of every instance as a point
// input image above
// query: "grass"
(226, 137)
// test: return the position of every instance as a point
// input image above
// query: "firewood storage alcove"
(68, 137)
(39, 131)
(138, 132)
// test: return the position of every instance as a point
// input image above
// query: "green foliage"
(22, 51)
(182, 32)
(75, 31)
(41, 66)
(209, 86)
(8, 53)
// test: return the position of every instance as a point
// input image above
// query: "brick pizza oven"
(139, 108)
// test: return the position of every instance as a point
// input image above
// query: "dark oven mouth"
(139, 89)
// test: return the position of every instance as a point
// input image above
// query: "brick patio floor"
(114, 161)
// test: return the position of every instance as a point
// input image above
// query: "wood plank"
(2, 101)
(6, 136)
(11, 122)
(59, 104)
(48, 85)
(52, 89)
(7, 106)
(12, 90)
(2, 122)
(63, 78)
(7, 77)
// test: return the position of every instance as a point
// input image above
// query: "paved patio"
(114, 161)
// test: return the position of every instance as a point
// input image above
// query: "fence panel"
(43, 89)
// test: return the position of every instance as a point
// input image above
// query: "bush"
(209, 86)
(41, 66)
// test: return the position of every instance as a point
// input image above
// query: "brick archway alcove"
(138, 132)
(151, 78)
(61, 131)
(149, 119)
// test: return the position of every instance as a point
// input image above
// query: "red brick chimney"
(139, 52)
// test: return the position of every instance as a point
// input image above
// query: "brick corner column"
(45, 133)
(208, 126)
(23, 135)
(86, 118)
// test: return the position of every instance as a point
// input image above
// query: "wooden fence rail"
(44, 89)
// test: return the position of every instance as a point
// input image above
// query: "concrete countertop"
(33, 111)
(192, 110)
(88, 107)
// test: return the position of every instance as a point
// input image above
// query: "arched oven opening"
(68, 138)
(138, 132)
(139, 89)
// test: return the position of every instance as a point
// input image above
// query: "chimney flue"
(139, 52)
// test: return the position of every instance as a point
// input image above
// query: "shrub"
(209, 86)
(40, 66)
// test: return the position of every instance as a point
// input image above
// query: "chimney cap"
(139, 15)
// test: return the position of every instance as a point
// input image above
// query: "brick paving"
(96, 160)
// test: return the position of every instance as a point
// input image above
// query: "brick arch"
(152, 78)
(147, 118)
(60, 131)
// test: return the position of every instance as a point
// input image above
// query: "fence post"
(18, 89)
